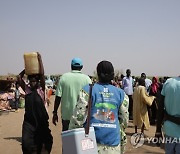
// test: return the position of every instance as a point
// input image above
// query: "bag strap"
(89, 110)
(171, 118)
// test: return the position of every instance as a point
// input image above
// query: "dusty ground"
(11, 126)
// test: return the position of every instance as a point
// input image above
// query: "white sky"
(143, 35)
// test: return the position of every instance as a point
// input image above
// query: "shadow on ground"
(19, 139)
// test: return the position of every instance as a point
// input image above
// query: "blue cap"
(76, 62)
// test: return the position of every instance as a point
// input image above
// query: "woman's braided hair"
(105, 71)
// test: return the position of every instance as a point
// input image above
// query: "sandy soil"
(11, 127)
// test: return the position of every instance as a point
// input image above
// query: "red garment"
(154, 85)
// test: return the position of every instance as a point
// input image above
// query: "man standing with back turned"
(127, 85)
(67, 92)
(169, 115)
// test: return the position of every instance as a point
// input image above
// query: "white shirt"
(148, 83)
(127, 84)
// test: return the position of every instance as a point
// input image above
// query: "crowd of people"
(134, 98)
(11, 95)
(115, 101)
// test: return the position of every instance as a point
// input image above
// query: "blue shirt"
(171, 91)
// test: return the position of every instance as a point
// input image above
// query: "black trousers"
(65, 125)
(130, 109)
(152, 112)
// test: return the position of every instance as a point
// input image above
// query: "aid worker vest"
(106, 101)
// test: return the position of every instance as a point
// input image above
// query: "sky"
(141, 35)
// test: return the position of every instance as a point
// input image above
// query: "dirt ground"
(11, 127)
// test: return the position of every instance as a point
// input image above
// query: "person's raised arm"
(20, 79)
(41, 70)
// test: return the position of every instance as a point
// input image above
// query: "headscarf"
(154, 85)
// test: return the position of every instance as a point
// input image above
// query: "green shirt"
(68, 89)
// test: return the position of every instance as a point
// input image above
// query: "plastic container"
(31, 63)
(75, 142)
(21, 103)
